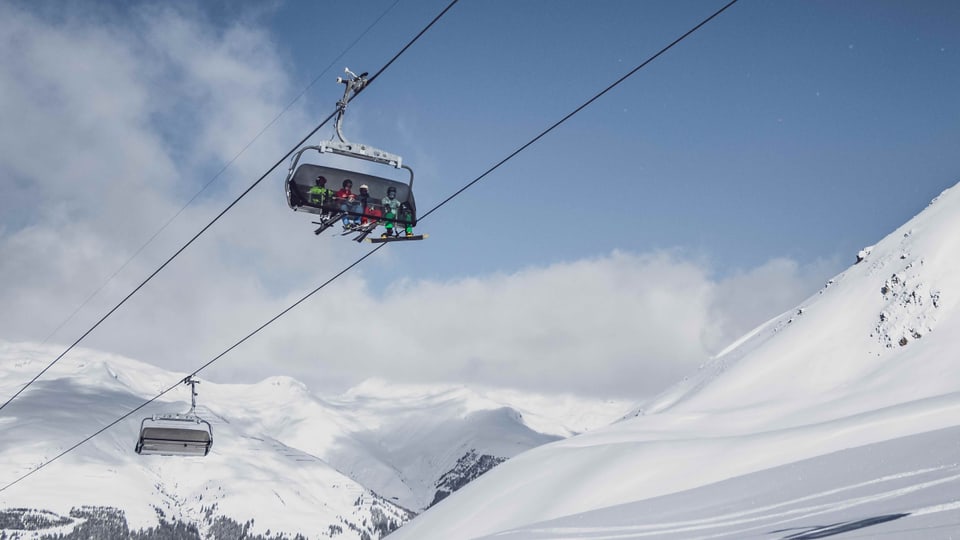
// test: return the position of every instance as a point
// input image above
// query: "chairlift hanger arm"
(353, 85)
(193, 382)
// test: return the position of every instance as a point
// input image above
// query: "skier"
(349, 204)
(369, 206)
(319, 194)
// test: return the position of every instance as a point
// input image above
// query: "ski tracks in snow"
(818, 515)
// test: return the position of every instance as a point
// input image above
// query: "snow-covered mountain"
(284, 461)
(836, 416)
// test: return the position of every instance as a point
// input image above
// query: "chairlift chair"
(176, 434)
(302, 176)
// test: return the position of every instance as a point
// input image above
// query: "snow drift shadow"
(823, 531)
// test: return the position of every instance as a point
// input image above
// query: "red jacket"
(373, 212)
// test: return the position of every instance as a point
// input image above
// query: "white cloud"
(622, 325)
(102, 142)
(578, 326)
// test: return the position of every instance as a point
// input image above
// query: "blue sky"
(797, 129)
(719, 186)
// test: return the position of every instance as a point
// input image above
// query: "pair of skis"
(329, 221)
(326, 222)
(363, 230)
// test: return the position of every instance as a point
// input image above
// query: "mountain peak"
(854, 334)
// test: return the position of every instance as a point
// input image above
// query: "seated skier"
(349, 203)
(320, 196)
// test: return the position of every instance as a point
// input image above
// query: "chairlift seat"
(175, 435)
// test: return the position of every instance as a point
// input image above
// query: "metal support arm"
(354, 84)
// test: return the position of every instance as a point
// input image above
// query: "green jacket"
(319, 195)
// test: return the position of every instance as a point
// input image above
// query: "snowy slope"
(904, 488)
(288, 460)
(869, 358)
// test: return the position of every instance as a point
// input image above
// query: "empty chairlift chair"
(176, 434)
